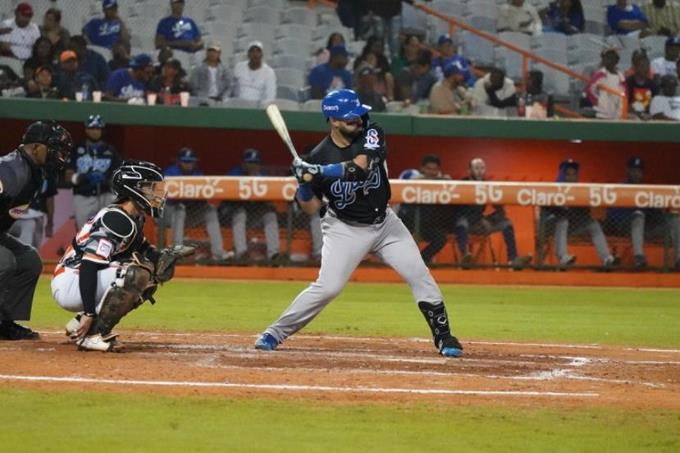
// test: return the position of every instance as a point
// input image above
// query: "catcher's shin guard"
(121, 298)
(438, 320)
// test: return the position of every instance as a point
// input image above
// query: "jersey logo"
(104, 248)
(345, 192)
(372, 139)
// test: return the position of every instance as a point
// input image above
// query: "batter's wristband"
(305, 192)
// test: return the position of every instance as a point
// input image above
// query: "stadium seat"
(654, 45)
(288, 61)
(290, 76)
(556, 41)
(263, 15)
(280, 4)
(16, 65)
(294, 31)
(512, 61)
(256, 31)
(292, 46)
(623, 41)
(288, 92)
(312, 105)
(483, 8)
(287, 104)
(239, 104)
(301, 16)
(479, 50)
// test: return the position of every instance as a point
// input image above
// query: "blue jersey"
(174, 170)
(330, 79)
(174, 29)
(616, 14)
(91, 157)
(122, 85)
(103, 32)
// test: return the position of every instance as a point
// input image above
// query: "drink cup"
(151, 98)
(184, 99)
(79, 96)
(97, 96)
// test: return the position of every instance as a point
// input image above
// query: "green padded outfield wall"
(514, 149)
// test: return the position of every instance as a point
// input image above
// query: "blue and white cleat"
(266, 342)
(450, 347)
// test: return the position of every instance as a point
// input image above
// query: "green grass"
(34, 421)
(644, 317)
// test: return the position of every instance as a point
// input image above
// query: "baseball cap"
(67, 55)
(569, 163)
(187, 155)
(214, 45)
(338, 50)
(140, 61)
(635, 162)
(251, 156)
(25, 9)
(257, 44)
(451, 68)
(444, 39)
(673, 41)
(107, 4)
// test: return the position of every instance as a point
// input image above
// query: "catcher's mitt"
(165, 265)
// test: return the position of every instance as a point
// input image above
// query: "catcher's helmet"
(54, 136)
(343, 105)
(94, 122)
(143, 183)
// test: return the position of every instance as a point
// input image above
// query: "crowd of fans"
(397, 70)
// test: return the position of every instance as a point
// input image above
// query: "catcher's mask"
(143, 183)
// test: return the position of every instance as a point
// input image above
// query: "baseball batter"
(348, 168)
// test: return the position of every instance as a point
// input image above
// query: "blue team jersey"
(103, 32)
(174, 29)
(330, 79)
(616, 14)
(122, 85)
(174, 170)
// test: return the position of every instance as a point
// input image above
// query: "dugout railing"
(259, 214)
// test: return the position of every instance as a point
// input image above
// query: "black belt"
(376, 221)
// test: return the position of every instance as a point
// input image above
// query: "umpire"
(89, 170)
(21, 178)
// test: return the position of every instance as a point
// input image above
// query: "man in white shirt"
(494, 94)
(666, 65)
(519, 16)
(666, 106)
(254, 79)
(18, 35)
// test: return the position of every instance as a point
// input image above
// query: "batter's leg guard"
(121, 298)
(438, 320)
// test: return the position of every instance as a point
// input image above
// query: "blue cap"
(453, 67)
(569, 163)
(673, 41)
(338, 50)
(636, 162)
(251, 156)
(444, 39)
(94, 122)
(187, 155)
(344, 105)
(140, 61)
(110, 4)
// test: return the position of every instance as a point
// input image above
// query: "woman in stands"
(373, 55)
(564, 16)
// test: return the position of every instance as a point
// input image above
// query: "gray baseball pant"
(20, 268)
(271, 232)
(87, 207)
(596, 234)
(637, 232)
(178, 216)
(344, 246)
(29, 231)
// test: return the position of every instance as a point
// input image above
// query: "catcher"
(110, 268)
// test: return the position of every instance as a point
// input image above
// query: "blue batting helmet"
(94, 122)
(343, 105)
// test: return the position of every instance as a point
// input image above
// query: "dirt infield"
(353, 369)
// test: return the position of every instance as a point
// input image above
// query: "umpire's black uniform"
(21, 178)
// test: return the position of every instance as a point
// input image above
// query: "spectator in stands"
(607, 105)
(18, 35)
(332, 75)
(519, 16)
(110, 29)
(494, 94)
(178, 31)
(40, 86)
(471, 219)
(239, 212)
(43, 54)
(415, 82)
(564, 16)
(255, 80)
(640, 87)
(126, 84)
(565, 219)
(164, 54)
(367, 80)
(177, 211)
(664, 17)
(667, 64)
(380, 18)
(408, 52)
(534, 102)
(373, 54)
(447, 54)
(120, 56)
(666, 105)
(52, 30)
(71, 80)
(90, 61)
(626, 18)
(323, 55)
(169, 84)
(211, 79)
(449, 96)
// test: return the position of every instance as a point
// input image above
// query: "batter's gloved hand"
(95, 177)
(305, 172)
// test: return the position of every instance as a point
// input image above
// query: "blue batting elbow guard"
(335, 171)
(305, 192)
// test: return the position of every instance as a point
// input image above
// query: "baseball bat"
(279, 124)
